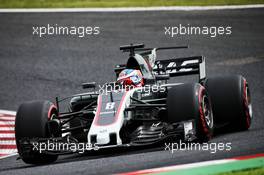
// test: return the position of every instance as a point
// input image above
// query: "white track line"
(130, 9)
(6, 135)
(192, 165)
(5, 111)
(184, 166)
(7, 118)
(7, 142)
(10, 155)
(8, 151)
(7, 122)
(7, 128)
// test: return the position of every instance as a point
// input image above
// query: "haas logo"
(173, 64)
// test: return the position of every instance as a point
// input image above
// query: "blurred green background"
(117, 3)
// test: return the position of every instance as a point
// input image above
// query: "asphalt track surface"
(42, 68)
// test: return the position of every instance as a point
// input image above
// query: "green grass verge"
(255, 171)
(117, 3)
(221, 169)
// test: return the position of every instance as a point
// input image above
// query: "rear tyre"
(231, 101)
(191, 102)
(31, 122)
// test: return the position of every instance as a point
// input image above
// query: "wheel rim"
(207, 111)
(53, 116)
(248, 102)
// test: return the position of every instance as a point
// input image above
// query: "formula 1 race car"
(139, 108)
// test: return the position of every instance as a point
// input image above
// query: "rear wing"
(181, 66)
(165, 68)
(132, 48)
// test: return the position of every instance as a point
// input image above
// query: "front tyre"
(231, 101)
(191, 102)
(31, 122)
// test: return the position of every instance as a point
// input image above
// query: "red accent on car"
(245, 103)
(200, 95)
(50, 109)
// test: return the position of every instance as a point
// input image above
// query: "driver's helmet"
(130, 77)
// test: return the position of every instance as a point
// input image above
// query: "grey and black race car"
(139, 108)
